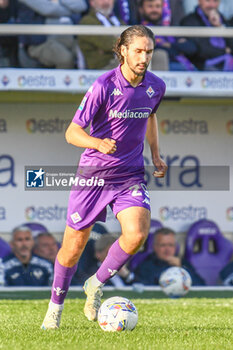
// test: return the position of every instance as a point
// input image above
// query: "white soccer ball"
(117, 314)
(175, 282)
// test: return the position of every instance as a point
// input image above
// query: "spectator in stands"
(226, 275)
(97, 50)
(172, 13)
(169, 52)
(102, 246)
(163, 257)
(57, 51)
(211, 53)
(225, 7)
(46, 246)
(22, 268)
(8, 44)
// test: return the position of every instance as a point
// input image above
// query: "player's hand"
(161, 167)
(174, 261)
(107, 146)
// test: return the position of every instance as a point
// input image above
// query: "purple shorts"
(89, 205)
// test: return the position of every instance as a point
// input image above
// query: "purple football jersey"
(119, 111)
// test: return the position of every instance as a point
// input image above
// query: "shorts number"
(145, 190)
(136, 190)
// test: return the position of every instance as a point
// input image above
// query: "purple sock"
(61, 282)
(115, 259)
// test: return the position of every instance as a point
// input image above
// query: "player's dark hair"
(127, 36)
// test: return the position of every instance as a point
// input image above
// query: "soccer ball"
(175, 282)
(117, 314)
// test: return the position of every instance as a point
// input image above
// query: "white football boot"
(53, 316)
(93, 301)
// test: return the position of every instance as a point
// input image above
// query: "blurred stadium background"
(196, 139)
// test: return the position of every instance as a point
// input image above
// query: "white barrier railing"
(18, 29)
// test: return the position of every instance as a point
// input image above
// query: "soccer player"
(121, 107)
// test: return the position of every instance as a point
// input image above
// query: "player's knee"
(142, 236)
(69, 256)
(139, 239)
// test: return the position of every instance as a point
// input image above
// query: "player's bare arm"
(153, 140)
(78, 137)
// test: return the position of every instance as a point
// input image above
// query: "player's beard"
(139, 73)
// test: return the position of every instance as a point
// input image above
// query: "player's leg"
(135, 224)
(65, 266)
(86, 206)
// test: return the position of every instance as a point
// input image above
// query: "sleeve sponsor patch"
(82, 104)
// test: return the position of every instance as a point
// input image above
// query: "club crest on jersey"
(116, 92)
(150, 92)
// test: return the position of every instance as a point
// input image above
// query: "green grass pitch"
(168, 324)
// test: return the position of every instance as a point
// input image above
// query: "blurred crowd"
(28, 259)
(95, 52)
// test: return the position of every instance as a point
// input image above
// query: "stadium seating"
(207, 250)
(5, 248)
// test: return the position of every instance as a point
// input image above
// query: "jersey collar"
(125, 82)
